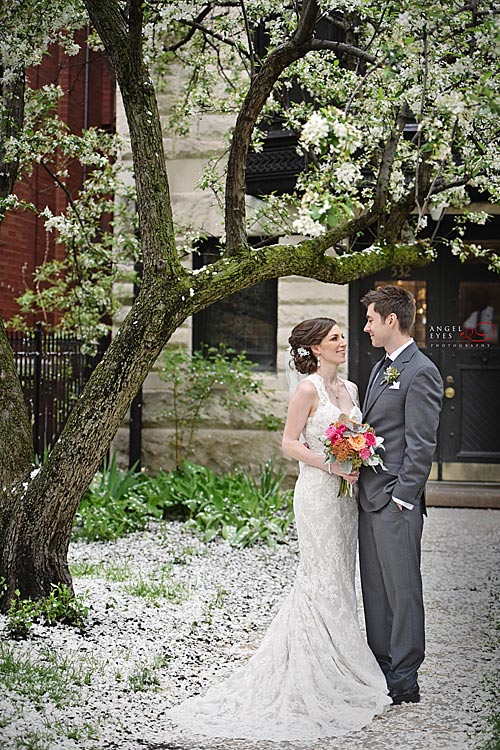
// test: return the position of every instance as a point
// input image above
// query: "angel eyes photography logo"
(484, 333)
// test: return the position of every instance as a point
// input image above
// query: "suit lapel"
(375, 392)
(399, 363)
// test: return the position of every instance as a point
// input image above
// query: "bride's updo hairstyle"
(304, 335)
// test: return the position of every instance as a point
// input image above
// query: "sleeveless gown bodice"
(313, 675)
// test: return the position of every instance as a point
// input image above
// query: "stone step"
(463, 494)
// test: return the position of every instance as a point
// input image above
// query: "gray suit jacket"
(407, 418)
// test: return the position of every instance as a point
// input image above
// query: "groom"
(402, 403)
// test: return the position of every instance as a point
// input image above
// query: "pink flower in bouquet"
(365, 454)
(370, 438)
(333, 433)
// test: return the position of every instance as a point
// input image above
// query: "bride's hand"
(335, 468)
(353, 477)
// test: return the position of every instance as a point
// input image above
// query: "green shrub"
(114, 505)
(237, 506)
(201, 380)
(61, 605)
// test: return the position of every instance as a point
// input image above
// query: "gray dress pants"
(389, 551)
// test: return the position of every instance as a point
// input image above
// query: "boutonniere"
(391, 375)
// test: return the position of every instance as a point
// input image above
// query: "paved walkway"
(461, 569)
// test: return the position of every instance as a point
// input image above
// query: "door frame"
(442, 276)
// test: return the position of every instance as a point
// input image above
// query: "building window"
(479, 311)
(245, 321)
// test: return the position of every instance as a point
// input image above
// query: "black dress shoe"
(413, 697)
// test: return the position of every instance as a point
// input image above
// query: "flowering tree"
(398, 113)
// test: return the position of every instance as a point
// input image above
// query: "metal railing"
(53, 371)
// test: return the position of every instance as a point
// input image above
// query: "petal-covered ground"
(169, 615)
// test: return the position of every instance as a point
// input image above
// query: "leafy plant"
(61, 605)
(240, 508)
(272, 423)
(200, 381)
(20, 616)
(114, 505)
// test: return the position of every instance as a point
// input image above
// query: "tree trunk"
(36, 525)
(16, 443)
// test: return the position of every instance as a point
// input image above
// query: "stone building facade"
(449, 295)
(229, 438)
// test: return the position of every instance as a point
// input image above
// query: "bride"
(313, 675)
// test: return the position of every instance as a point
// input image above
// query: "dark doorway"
(457, 326)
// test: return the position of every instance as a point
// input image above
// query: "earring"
(319, 361)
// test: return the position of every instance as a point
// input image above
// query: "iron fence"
(53, 370)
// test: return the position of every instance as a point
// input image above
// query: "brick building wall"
(89, 100)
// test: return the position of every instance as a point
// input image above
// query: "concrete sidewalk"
(461, 569)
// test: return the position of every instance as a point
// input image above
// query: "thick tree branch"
(253, 265)
(160, 257)
(135, 17)
(301, 43)
(260, 88)
(309, 14)
(342, 47)
(339, 23)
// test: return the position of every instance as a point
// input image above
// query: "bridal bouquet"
(352, 444)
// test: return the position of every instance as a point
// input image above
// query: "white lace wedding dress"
(313, 675)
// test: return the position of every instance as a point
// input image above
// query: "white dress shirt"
(393, 356)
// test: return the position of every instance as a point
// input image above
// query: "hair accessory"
(302, 351)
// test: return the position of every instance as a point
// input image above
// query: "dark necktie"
(376, 380)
